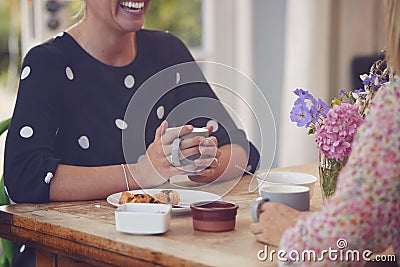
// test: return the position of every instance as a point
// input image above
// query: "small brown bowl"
(215, 216)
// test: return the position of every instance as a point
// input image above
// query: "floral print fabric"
(364, 214)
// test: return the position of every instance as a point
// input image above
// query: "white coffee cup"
(287, 178)
(297, 197)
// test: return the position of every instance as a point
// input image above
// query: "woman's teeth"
(132, 6)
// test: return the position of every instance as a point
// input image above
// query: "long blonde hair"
(393, 33)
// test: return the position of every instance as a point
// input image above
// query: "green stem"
(329, 169)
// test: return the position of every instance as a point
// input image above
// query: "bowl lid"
(211, 206)
(214, 211)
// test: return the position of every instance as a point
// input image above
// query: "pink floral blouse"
(364, 214)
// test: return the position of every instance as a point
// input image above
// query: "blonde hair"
(82, 10)
(393, 33)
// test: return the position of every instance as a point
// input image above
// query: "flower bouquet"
(335, 125)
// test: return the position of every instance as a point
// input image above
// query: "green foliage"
(9, 13)
(4, 28)
(4, 125)
(8, 246)
(336, 101)
(4, 23)
(180, 17)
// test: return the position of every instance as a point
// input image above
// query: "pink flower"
(335, 136)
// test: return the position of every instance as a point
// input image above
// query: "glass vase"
(329, 169)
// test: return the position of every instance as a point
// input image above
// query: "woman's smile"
(135, 7)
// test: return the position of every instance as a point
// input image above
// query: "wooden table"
(67, 232)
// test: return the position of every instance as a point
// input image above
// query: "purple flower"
(335, 125)
(302, 94)
(321, 107)
(375, 81)
(301, 115)
(369, 80)
(300, 102)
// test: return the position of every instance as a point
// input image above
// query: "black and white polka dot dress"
(72, 109)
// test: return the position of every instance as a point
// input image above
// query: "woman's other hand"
(274, 219)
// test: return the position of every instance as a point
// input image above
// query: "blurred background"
(319, 45)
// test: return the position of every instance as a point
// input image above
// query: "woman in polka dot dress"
(364, 214)
(85, 106)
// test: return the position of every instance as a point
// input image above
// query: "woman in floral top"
(364, 214)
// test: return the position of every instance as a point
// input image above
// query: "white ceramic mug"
(297, 197)
(175, 148)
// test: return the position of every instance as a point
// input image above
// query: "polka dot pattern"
(88, 128)
(25, 72)
(83, 141)
(121, 124)
(69, 73)
(26, 132)
(129, 81)
(160, 112)
(48, 177)
(214, 124)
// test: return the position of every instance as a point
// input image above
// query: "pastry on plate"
(168, 196)
(163, 197)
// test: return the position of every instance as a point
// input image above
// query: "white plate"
(187, 197)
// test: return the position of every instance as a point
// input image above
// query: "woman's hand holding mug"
(179, 150)
(196, 152)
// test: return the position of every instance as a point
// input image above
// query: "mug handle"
(175, 152)
(254, 208)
